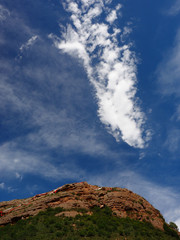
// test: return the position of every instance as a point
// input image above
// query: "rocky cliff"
(124, 203)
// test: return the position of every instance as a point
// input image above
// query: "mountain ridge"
(123, 203)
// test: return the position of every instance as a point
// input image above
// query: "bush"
(101, 225)
(170, 231)
(173, 226)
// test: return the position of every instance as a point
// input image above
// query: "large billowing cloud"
(94, 38)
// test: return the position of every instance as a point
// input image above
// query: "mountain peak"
(123, 202)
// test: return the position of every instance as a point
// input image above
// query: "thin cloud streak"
(4, 13)
(168, 74)
(163, 198)
(46, 116)
(39, 96)
(172, 142)
(174, 9)
(110, 68)
(15, 160)
(29, 43)
(2, 185)
(168, 71)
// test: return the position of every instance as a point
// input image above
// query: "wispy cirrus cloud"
(177, 114)
(47, 109)
(2, 185)
(168, 71)
(173, 140)
(112, 16)
(110, 65)
(29, 43)
(14, 31)
(163, 198)
(174, 9)
(15, 162)
(4, 13)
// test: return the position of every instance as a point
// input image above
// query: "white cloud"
(125, 33)
(174, 9)
(29, 43)
(58, 130)
(177, 114)
(14, 160)
(73, 7)
(172, 142)
(13, 22)
(163, 198)
(110, 68)
(55, 128)
(2, 185)
(4, 13)
(168, 71)
(88, 3)
(119, 6)
(49, 110)
(142, 155)
(18, 176)
(95, 11)
(111, 17)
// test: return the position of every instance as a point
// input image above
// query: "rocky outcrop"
(124, 203)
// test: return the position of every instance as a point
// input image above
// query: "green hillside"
(102, 224)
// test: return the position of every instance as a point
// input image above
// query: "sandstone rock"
(68, 214)
(124, 203)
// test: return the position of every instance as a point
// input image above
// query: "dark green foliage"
(102, 224)
(170, 231)
(173, 226)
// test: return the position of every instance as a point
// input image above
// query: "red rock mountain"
(124, 203)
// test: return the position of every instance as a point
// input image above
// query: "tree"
(173, 226)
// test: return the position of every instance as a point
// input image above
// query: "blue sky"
(90, 91)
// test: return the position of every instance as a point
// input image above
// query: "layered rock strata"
(124, 203)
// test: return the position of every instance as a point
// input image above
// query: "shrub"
(173, 226)
(101, 225)
(170, 231)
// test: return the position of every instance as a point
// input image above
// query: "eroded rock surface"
(124, 203)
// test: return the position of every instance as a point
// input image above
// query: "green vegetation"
(101, 225)
(173, 226)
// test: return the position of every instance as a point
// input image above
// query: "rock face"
(124, 203)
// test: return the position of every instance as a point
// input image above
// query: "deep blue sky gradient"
(54, 118)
